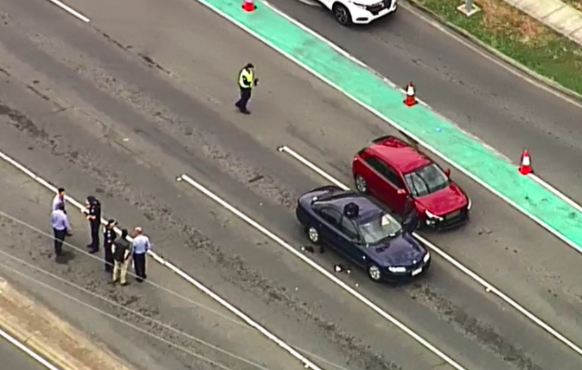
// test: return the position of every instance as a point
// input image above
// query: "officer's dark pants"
(94, 245)
(245, 96)
(139, 265)
(59, 238)
(107, 248)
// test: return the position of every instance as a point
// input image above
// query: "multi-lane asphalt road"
(121, 106)
(13, 358)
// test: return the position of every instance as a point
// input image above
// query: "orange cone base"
(410, 101)
(248, 7)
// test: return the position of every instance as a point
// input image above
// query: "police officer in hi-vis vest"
(246, 82)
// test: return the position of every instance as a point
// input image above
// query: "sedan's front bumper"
(362, 15)
(446, 222)
(411, 273)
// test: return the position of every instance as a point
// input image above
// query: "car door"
(329, 226)
(349, 238)
(388, 186)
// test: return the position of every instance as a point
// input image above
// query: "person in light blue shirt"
(141, 246)
(61, 227)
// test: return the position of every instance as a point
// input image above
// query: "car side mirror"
(401, 192)
(448, 172)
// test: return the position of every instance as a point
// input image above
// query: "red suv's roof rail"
(383, 138)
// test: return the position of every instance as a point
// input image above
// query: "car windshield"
(426, 180)
(378, 226)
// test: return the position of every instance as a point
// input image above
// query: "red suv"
(393, 171)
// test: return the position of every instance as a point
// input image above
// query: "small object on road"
(308, 249)
(410, 99)
(341, 268)
(525, 167)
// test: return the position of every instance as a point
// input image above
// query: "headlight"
(469, 205)
(397, 269)
(358, 5)
(426, 257)
(430, 215)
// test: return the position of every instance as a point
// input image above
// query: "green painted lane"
(421, 124)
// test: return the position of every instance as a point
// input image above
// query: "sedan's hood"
(403, 250)
(444, 201)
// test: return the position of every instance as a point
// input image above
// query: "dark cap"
(250, 65)
(111, 222)
(61, 190)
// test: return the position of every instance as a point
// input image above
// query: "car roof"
(367, 207)
(398, 154)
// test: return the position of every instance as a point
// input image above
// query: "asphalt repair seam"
(420, 124)
(49, 336)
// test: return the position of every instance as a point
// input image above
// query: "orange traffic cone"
(410, 95)
(525, 167)
(248, 5)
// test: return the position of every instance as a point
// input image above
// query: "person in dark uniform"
(246, 82)
(410, 221)
(93, 214)
(109, 237)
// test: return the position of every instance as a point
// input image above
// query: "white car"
(348, 12)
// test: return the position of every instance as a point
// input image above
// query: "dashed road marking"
(307, 363)
(254, 224)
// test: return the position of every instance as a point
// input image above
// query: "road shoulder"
(49, 336)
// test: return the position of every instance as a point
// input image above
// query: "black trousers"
(245, 96)
(59, 238)
(94, 245)
(139, 265)
(107, 248)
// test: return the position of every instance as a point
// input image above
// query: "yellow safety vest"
(244, 73)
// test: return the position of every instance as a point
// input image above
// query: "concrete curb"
(50, 337)
(466, 35)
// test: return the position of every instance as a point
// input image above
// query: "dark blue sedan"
(359, 228)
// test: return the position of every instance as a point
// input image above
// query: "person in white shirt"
(59, 199)
(141, 246)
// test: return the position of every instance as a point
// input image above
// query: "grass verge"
(519, 37)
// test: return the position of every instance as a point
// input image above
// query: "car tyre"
(313, 234)
(342, 14)
(374, 272)
(361, 185)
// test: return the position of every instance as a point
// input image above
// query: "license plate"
(454, 214)
(417, 271)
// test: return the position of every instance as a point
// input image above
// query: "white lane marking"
(488, 286)
(556, 192)
(254, 224)
(380, 115)
(15, 342)
(70, 10)
(308, 364)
